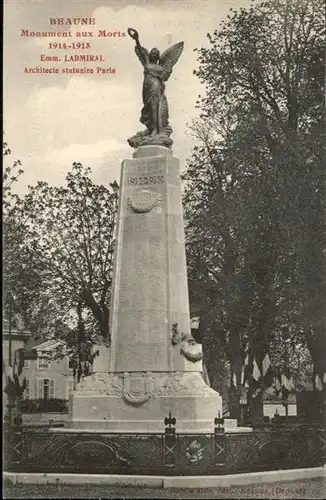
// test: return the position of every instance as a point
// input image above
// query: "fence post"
(218, 422)
(219, 442)
(169, 440)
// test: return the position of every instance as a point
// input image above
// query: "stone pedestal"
(155, 365)
(139, 402)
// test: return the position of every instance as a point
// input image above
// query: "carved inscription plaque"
(142, 177)
(147, 174)
(152, 165)
(144, 180)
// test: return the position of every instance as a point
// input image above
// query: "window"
(70, 388)
(26, 394)
(45, 388)
(26, 363)
(51, 388)
(40, 393)
(71, 363)
(43, 362)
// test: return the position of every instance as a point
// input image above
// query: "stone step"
(230, 423)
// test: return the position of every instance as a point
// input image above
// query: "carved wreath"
(194, 452)
(143, 201)
(193, 357)
(178, 337)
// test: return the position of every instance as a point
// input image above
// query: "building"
(48, 375)
(47, 370)
(276, 405)
(12, 340)
(14, 337)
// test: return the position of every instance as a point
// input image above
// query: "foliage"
(15, 384)
(69, 230)
(12, 172)
(53, 405)
(60, 260)
(12, 233)
(255, 187)
(15, 387)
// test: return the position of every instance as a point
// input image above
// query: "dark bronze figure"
(155, 112)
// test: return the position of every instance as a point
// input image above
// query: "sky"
(52, 120)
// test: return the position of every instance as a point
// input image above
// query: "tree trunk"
(234, 403)
(256, 410)
(81, 339)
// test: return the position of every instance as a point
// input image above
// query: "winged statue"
(155, 113)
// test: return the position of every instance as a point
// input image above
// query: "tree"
(11, 227)
(69, 234)
(15, 384)
(255, 183)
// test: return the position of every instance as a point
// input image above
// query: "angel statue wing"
(170, 57)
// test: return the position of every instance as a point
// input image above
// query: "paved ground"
(309, 488)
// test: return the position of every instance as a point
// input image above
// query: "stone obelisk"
(150, 291)
(153, 365)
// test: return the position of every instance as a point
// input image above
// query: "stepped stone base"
(139, 402)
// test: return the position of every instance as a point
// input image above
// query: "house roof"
(42, 343)
(34, 341)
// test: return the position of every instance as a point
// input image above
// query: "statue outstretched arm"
(169, 58)
(141, 52)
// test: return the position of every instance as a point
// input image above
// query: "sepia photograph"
(164, 249)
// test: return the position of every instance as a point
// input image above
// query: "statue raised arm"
(141, 52)
(155, 112)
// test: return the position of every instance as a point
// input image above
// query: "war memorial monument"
(153, 365)
(145, 410)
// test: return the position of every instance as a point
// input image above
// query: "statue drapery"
(155, 112)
